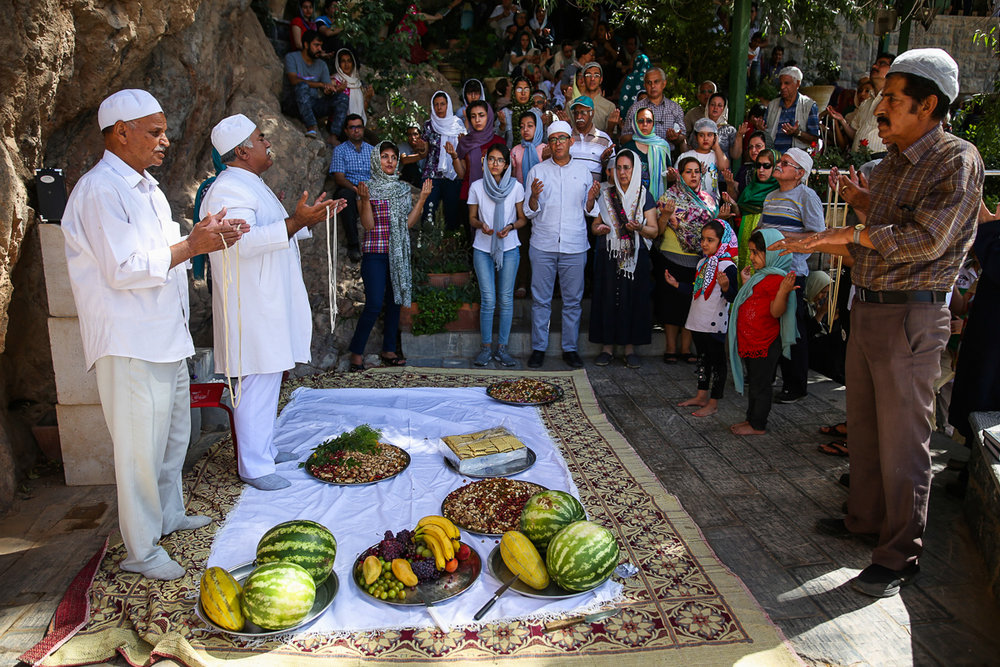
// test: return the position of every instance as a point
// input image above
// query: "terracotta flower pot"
(467, 320)
(446, 279)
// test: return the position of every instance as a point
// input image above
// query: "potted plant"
(445, 295)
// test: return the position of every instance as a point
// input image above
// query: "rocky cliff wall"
(58, 60)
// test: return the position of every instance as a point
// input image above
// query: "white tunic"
(270, 324)
(710, 315)
(118, 233)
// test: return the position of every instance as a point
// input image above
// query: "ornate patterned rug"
(684, 607)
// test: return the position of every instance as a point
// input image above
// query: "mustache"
(882, 120)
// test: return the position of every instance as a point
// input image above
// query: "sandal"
(356, 368)
(689, 358)
(838, 430)
(670, 357)
(392, 361)
(835, 448)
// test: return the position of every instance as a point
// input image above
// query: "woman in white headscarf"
(621, 307)
(357, 93)
(443, 128)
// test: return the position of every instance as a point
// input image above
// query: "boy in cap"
(127, 262)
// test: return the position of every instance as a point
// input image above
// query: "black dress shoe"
(837, 528)
(880, 582)
(354, 254)
(572, 359)
(785, 396)
(536, 359)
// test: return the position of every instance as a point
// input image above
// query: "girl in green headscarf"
(750, 203)
(761, 326)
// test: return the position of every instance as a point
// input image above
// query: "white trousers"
(148, 410)
(254, 418)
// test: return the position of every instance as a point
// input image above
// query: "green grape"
(392, 594)
(383, 595)
(402, 595)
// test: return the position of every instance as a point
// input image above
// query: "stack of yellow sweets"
(484, 452)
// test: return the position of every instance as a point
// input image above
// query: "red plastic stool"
(209, 395)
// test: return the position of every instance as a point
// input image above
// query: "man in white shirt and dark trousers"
(127, 261)
(563, 191)
(260, 308)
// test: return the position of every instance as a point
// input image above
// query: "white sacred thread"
(331, 266)
(227, 280)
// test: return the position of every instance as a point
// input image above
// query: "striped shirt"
(922, 215)
(588, 148)
(797, 210)
(377, 238)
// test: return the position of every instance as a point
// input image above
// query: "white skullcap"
(933, 64)
(559, 126)
(793, 72)
(231, 132)
(127, 104)
(803, 159)
(706, 125)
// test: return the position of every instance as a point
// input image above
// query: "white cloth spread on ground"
(412, 419)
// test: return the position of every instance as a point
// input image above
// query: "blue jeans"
(494, 293)
(378, 292)
(445, 193)
(310, 107)
(338, 113)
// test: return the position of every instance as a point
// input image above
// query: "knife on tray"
(589, 618)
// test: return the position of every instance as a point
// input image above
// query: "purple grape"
(391, 549)
(425, 570)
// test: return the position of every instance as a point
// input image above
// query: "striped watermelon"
(581, 555)
(302, 542)
(548, 512)
(277, 596)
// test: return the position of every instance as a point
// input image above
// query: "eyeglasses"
(592, 75)
(558, 140)
(522, 89)
(644, 121)
(764, 165)
(496, 160)
(355, 127)
(788, 163)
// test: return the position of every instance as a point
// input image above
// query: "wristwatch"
(858, 228)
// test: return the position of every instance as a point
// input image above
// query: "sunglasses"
(764, 165)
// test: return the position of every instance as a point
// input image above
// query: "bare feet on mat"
(706, 411)
(693, 402)
(736, 426)
(746, 429)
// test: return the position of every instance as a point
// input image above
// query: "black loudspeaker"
(50, 186)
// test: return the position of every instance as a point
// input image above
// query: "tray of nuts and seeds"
(490, 506)
(524, 391)
(356, 458)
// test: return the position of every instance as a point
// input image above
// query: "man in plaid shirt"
(350, 165)
(918, 223)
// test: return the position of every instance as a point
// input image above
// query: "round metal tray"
(559, 394)
(499, 571)
(504, 470)
(472, 530)
(325, 593)
(447, 586)
(325, 481)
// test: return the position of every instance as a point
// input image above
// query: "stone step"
(465, 344)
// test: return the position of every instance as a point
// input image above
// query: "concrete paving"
(755, 498)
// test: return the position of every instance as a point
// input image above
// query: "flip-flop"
(835, 448)
(839, 430)
(671, 357)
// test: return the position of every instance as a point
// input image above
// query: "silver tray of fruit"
(325, 593)
(390, 590)
(499, 571)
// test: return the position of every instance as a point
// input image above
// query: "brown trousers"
(893, 359)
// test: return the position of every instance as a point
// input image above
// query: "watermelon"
(548, 512)
(220, 599)
(302, 542)
(277, 596)
(581, 555)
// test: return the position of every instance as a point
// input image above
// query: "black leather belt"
(897, 297)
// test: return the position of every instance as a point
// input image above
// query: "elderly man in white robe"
(260, 308)
(127, 262)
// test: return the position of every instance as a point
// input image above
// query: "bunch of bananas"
(441, 537)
